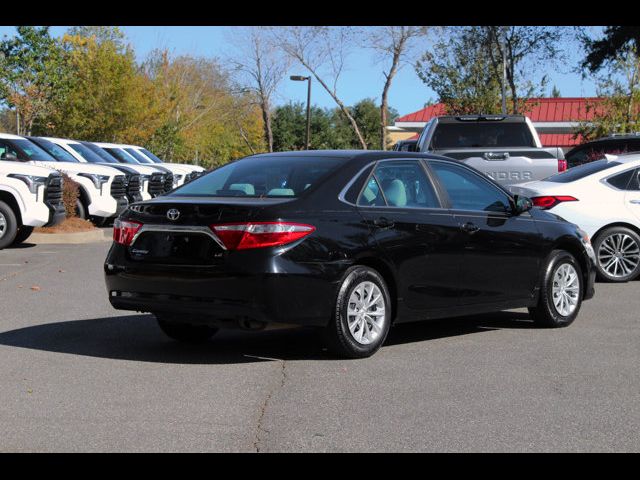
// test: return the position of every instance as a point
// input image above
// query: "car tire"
(24, 232)
(184, 332)
(81, 211)
(362, 314)
(621, 243)
(561, 291)
(8, 225)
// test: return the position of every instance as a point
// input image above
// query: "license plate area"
(175, 248)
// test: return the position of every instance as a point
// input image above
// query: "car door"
(502, 251)
(419, 237)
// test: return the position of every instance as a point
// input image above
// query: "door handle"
(635, 202)
(470, 228)
(383, 222)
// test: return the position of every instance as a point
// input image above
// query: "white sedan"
(603, 199)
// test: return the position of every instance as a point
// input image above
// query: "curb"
(91, 236)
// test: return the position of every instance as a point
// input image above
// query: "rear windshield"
(54, 150)
(482, 134)
(582, 171)
(261, 177)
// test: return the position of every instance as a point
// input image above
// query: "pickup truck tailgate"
(510, 166)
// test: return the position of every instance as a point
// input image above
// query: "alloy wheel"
(619, 255)
(566, 289)
(3, 225)
(366, 313)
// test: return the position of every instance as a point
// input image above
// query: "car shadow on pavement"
(137, 338)
(20, 246)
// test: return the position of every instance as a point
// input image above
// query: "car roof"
(10, 136)
(353, 155)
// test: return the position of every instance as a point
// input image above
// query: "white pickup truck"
(504, 147)
(30, 197)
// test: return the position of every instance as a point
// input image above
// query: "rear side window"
(399, 184)
(625, 181)
(468, 191)
(262, 176)
(581, 171)
(482, 134)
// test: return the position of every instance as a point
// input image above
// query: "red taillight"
(242, 236)
(562, 165)
(125, 230)
(551, 201)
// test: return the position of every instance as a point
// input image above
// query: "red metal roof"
(569, 109)
(559, 139)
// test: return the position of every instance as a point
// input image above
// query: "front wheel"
(184, 332)
(362, 314)
(561, 291)
(8, 225)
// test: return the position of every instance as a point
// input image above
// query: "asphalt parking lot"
(76, 375)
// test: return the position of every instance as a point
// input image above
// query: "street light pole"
(504, 75)
(299, 78)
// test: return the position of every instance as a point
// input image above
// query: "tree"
(617, 41)
(458, 69)
(555, 92)
(320, 50)
(107, 99)
(367, 114)
(393, 44)
(467, 67)
(289, 126)
(619, 111)
(31, 75)
(260, 67)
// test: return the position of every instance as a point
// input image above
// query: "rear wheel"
(24, 232)
(8, 225)
(178, 330)
(362, 314)
(561, 291)
(618, 254)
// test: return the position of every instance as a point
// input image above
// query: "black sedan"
(351, 241)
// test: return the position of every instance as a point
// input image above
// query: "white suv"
(102, 189)
(30, 197)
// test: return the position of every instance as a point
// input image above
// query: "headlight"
(32, 181)
(98, 180)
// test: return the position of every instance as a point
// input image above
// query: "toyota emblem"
(173, 214)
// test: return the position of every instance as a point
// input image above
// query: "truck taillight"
(562, 165)
(548, 202)
(124, 231)
(243, 236)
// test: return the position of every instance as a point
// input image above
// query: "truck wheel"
(184, 332)
(8, 225)
(24, 232)
(81, 211)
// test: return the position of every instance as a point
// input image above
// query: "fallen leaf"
(35, 288)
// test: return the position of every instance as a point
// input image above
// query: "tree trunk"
(385, 97)
(266, 118)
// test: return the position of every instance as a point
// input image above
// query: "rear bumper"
(209, 295)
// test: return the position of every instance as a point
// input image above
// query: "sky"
(362, 79)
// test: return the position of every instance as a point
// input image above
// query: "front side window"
(27, 150)
(262, 176)
(468, 191)
(7, 151)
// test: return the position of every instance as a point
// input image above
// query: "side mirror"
(521, 204)
(9, 156)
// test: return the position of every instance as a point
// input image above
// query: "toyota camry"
(350, 241)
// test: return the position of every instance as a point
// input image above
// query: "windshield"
(151, 156)
(582, 171)
(263, 176)
(54, 150)
(481, 135)
(97, 153)
(121, 155)
(85, 153)
(27, 150)
(135, 154)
